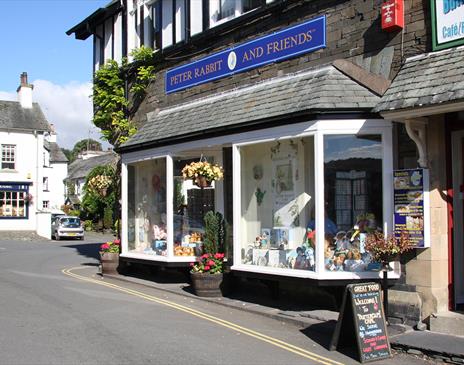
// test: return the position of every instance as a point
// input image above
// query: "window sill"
(9, 171)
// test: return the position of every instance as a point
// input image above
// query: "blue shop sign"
(303, 38)
(14, 186)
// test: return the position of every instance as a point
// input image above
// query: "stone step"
(450, 323)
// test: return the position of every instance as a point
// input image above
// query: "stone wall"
(353, 33)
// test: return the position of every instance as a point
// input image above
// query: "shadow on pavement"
(87, 249)
(321, 333)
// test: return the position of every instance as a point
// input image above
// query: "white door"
(457, 146)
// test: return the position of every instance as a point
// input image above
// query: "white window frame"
(45, 181)
(318, 129)
(8, 156)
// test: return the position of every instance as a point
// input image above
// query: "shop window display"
(12, 204)
(191, 202)
(147, 233)
(353, 199)
(277, 204)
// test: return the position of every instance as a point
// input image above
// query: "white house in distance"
(32, 166)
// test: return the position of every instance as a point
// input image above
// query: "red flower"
(117, 242)
(310, 234)
(207, 268)
(211, 263)
(192, 264)
(105, 246)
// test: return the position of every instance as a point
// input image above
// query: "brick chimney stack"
(25, 92)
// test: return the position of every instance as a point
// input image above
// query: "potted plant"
(28, 198)
(385, 249)
(202, 173)
(207, 274)
(109, 256)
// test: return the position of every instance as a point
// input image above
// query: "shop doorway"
(457, 145)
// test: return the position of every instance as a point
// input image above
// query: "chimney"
(25, 92)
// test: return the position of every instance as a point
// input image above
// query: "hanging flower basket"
(202, 173)
(28, 198)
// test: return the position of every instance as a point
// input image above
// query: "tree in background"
(100, 196)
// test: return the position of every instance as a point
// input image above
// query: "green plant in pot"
(109, 256)
(207, 272)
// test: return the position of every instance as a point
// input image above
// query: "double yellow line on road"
(259, 336)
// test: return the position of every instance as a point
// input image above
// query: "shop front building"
(282, 97)
(427, 96)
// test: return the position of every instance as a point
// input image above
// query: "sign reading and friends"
(410, 189)
(303, 38)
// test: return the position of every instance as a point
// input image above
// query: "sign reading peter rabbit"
(362, 318)
(412, 206)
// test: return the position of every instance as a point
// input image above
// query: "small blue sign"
(409, 197)
(14, 186)
(287, 43)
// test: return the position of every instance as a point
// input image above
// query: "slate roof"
(56, 154)
(12, 115)
(313, 90)
(426, 80)
(80, 168)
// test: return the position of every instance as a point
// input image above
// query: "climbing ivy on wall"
(114, 100)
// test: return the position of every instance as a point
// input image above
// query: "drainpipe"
(36, 134)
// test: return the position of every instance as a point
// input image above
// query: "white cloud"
(68, 107)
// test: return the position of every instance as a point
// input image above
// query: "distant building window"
(45, 184)
(8, 156)
(12, 204)
(45, 204)
(224, 10)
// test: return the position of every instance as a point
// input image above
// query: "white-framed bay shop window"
(303, 198)
(162, 212)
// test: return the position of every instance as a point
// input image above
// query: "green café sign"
(447, 23)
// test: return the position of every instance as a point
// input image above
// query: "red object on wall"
(392, 15)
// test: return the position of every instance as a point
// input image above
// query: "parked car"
(67, 227)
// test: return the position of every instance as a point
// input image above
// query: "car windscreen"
(70, 222)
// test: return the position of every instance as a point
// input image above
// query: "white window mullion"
(170, 205)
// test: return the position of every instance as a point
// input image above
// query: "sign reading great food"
(303, 38)
(447, 23)
(411, 205)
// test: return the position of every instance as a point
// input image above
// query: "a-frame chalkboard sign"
(362, 318)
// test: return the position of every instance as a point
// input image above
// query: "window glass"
(277, 204)
(12, 204)
(45, 204)
(353, 199)
(45, 183)
(70, 222)
(191, 203)
(8, 156)
(226, 8)
(147, 231)
(252, 4)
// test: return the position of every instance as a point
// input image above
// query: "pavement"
(252, 296)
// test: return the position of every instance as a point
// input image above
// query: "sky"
(33, 39)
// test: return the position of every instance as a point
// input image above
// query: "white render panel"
(56, 187)
(131, 32)
(108, 54)
(180, 20)
(167, 24)
(118, 38)
(196, 16)
(147, 25)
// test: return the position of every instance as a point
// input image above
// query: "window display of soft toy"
(348, 252)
